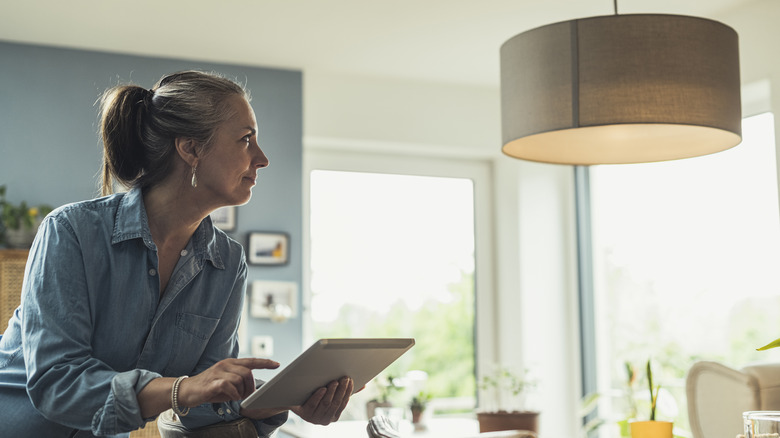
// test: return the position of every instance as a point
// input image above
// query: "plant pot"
(651, 429)
(418, 419)
(503, 420)
(417, 415)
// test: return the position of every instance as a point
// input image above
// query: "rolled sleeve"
(121, 411)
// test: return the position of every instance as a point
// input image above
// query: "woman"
(126, 295)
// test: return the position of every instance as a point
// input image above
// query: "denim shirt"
(92, 329)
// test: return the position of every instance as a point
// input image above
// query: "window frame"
(479, 171)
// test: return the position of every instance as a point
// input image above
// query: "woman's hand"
(326, 404)
(323, 407)
(226, 380)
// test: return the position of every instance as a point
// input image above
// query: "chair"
(12, 262)
(170, 427)
(148, 431)
(718, 395)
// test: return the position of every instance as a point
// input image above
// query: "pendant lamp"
(621, 89)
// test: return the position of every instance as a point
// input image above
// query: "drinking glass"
(761, 424)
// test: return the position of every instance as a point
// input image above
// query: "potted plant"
(651, 428)
(19, 222)
(506, 410)
(418, 405)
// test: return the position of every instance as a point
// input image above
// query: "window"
(393, 255)
(685, 257)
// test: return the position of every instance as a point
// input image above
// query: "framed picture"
(267, 248)
(276, 300)
(224, 218)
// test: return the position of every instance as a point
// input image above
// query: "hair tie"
(148, 96)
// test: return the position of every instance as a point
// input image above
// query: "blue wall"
(50, 151)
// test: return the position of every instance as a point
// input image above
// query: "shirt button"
(184, 252)
(220, 411)
(229, 411)
(152, 272)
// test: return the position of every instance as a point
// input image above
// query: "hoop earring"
(194, 181)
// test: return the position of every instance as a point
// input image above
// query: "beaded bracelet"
(175, 398)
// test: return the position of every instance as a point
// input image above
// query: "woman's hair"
(139, 126)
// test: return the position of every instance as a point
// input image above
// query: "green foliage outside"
(16, 216)
(443, 332)
(641, 325)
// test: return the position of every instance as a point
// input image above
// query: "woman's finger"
(255, 363)
(321, 412)
(345, 401)
(249, 385)
(339, 396)
(315, 399)
(229, 379)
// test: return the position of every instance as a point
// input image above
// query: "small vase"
(417, 419)
(651, 429)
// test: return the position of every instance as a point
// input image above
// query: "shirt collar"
(131, 222)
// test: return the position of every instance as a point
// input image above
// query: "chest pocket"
(192, 335)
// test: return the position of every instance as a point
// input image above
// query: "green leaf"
(589, 403)
(630, 372)
(654, 402)
(773, 344)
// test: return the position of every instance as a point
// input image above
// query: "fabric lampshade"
(621, 89)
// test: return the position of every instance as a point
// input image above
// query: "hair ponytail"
(123, 109)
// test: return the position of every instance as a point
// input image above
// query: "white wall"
(758, 27)
(439, 116)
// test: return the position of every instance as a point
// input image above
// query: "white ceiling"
(432, 40)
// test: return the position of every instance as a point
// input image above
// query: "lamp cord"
(615, 2)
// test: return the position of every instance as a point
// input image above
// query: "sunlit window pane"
(686, 258)
(393, 255)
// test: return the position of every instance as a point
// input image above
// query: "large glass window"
(394, 256)
(686, 255)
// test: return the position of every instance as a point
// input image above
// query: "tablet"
(327, 360)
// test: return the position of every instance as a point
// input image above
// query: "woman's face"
(228, 170)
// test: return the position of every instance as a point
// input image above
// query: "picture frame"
(268, 248)
(224, 218)
(275, 300)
